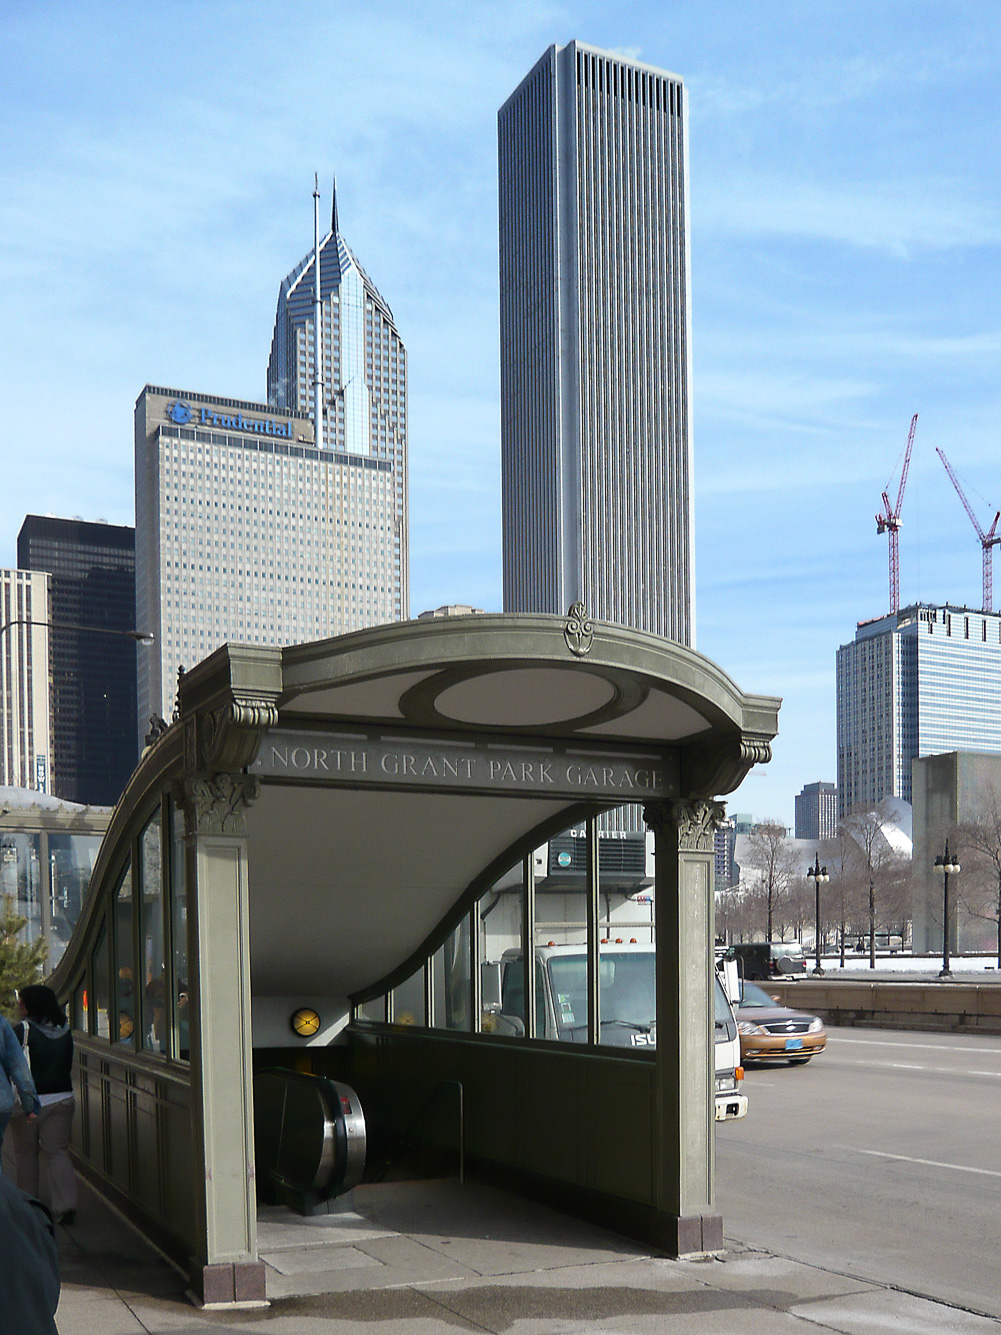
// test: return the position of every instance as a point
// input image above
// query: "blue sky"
(155, 179)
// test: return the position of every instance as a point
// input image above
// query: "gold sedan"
(770, 1032)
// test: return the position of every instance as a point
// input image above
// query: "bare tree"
(882, 869)
(772, 869)
(981, 842)
(842, 892)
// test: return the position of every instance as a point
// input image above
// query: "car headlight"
(746, 1027)
(816, 1025)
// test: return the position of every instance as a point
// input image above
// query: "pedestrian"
(14, 1074)
(30, 1284)
(49, 1043)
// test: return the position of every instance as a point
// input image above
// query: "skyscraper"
(596, 451)
(817, 811)
(25, 745)
(247, 532)
(364, 365)
(92, 585)
(914, 683)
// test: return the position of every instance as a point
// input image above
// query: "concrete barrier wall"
(934, 1006)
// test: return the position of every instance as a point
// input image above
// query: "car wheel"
(798, 1061)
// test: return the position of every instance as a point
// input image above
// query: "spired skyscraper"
(596, 450)
(364, 376)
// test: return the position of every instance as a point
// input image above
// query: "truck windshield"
(627, 989)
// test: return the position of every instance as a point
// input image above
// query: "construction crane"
(888, 521)
(988, 540)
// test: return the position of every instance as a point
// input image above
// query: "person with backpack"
(14, 1074)
(48, 1044)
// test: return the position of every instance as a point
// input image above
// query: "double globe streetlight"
(948, 866)
(818, 875)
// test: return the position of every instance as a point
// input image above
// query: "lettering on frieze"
(429, 764)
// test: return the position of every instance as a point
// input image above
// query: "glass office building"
(364, 367)
(92, 585)
(914, 683)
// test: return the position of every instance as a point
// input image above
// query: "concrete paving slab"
(311, 1260)
(528, 1307)
(885, 1311)
(487, 1230)
(395, 1262)
(279, 1235)
(100, 1314)
(755, 1271)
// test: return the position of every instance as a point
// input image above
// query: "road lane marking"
(928, 1163)
(940, 1070)
(925, 1047)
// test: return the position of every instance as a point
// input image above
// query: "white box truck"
(627, 992)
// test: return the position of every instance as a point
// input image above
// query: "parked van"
(770, 959)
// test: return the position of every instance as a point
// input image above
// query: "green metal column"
(685, 1096)
(226, 1269)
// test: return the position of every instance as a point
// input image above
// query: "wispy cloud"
(900, 218)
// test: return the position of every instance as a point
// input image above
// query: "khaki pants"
(47, 1138)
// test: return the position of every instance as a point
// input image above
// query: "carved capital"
(219, 805)
(693, 820)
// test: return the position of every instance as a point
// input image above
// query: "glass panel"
(502, 979)
(627, 973)
(179, 933)
(71, 862)
(125, 988)
(561, 930)
(373, 1010)
(102, 992)
(20, 880)
(80, 1017)
(154, 1000)
(408, 1000)
(451, 982)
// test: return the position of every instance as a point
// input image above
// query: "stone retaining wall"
(964, 1007)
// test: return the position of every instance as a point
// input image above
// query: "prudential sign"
(182, 414)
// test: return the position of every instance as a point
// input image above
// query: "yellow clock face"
(305, 1022)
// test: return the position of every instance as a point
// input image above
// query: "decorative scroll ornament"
(231, 735)
(695, 821)
(578, 632)
(219, 805)
(720, 767)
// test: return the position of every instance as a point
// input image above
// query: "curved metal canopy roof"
(384, 800)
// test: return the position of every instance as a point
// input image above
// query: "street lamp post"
(948, 866)
(141, 636)
(818, 875)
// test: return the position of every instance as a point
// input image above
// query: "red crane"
(888, 521)
(988, 540)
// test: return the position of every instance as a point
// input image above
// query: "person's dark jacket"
(30, 1282)
(50, 1048)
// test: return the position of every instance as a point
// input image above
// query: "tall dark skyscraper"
(92, 584)
(595, 359)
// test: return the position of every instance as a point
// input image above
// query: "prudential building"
(251, 530)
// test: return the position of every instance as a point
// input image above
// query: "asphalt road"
(881, 1158)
